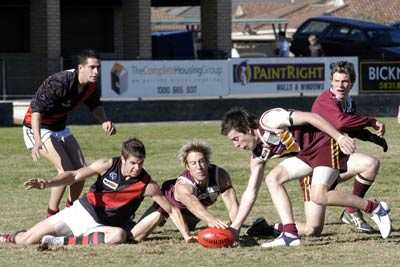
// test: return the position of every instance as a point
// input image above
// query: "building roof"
(382, 11)
(295, 11)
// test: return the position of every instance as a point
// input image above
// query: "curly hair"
(194, 146)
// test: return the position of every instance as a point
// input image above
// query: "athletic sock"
(95, 238)
(51, 212)
(291, 229)
(360, 188)
(279, 227)
(10, 237)
(371, 206)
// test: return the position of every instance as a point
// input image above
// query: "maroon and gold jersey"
(112, 200)
(306, 142)
(207, 195)
(58, 95)
(331, 110)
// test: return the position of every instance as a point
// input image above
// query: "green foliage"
(339, 244)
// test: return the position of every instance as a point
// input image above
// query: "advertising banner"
(284, 76)
(380, 76)
(155, 78)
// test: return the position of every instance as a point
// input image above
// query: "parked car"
(395, 25)
(348, 37)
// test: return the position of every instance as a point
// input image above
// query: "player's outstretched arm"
(250, 194)
(184, 194)
(153, 190)
(70, 177)
(229, 195)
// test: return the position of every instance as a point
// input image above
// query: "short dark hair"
(239, 119)
(344, 67)
(133, 147)
(85, 54)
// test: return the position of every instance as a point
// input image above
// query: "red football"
(215, 238)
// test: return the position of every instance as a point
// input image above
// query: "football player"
(102, 215)
(195, 189)
(44, 126)
(280, 132)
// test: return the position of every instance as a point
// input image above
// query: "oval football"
(215, 238)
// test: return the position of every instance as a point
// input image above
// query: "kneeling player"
(103, 214)
(317, 153)
(195, 189)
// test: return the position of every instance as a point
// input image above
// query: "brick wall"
(136, 17)
(216, 24)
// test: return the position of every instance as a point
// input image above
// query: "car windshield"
(385, 37)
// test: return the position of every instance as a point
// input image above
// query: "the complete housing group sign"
(218, 78)
(380, 76)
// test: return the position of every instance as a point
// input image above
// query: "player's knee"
(318, 198)
(117, 236)
(374, 165)
(275, 177)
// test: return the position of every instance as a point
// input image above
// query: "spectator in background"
(315, 47)
(282, 45)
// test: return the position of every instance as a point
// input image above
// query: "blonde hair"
(194, 146)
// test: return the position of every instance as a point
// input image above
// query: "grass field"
(339, 244)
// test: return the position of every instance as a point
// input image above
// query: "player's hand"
(191, 239)
(109, 128)
(217, 224)
(235, 232)
(380, 128)
(35, 150)
(35, 183)
(346, 144)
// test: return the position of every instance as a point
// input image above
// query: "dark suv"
(348, 37)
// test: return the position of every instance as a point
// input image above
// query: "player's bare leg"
(379, 211)
(54, 152)
(315, 218)
(364, 168)
(77, 159)
(146, 225)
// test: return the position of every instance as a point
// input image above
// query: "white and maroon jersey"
(112, 200)
(293, 140)
(207, 195)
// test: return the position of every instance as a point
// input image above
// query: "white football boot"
(381, 217)
(283, 240)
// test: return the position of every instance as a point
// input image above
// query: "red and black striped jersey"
(112, 200)
(57, 96)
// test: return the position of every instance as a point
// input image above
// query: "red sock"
(51, 212)
(360, 188)
(290, 228)
(95, 238)
(371, 206)
(280, 227)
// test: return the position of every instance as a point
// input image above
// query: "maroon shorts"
(327, 154)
